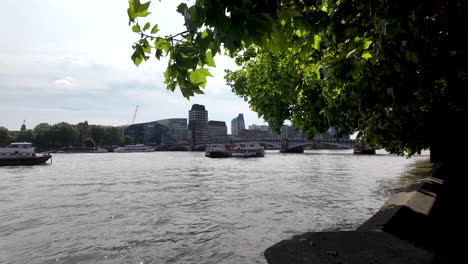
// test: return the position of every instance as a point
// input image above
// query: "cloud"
(65, 83)
(79, 67)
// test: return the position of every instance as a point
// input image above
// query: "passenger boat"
(81, 150)
(135, 148)
(248, 150)
(363, 149)
(219, 150)
(22, 153)
(241, 150)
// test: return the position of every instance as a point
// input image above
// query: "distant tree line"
(64, 134)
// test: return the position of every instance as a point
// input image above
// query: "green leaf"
(272, 47)
(136, 28)
(288, 12)
(158, 53)
(367, 43)
(209, 59)
(163, 44)
(198, 76)
(317, 40)
(137, 56)
(366, 55)
(155, 29)
(147, 25)
(136, 9)
(182, 8)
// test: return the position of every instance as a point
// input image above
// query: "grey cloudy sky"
(69, 60)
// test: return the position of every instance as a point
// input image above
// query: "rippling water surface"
(180, 207)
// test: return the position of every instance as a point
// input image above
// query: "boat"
(363, 149)
(248, 150)
(219, 150)
(135, 148)
(240, 150)
(81, 150)
(22, 153)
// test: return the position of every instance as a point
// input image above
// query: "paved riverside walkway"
(426, 225)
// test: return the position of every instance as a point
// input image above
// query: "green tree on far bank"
(24, 136)
(5, 137)
(41, 135)
(97, 133)
(63, 134)
(112, 137)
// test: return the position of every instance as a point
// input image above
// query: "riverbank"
(422, 225)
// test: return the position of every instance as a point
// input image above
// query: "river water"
(180, 207)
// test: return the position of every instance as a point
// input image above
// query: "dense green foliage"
(65, 135)
(380, 68)
(5, 137)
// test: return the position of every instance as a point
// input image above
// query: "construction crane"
(134, 115)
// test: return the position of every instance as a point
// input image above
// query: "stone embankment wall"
(422, 225)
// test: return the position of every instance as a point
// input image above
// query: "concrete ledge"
(348, 247)
(415, 205)
(422, 225)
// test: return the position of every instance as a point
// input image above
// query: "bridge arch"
(344, 145)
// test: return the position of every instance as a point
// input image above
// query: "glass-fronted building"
(165, 132)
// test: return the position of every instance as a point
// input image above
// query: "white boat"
(248, 150)
(241, 150)
(219, 150)
(21, 153)
(135, 148)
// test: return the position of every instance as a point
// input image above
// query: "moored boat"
(81, 150)
(240, 150)
(363, 149)
(135, 148)
(219, 150)
(22, 153)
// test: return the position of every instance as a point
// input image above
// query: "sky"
(69, 61)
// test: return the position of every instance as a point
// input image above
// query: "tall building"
(217, 130)
(198, 124)
(237, 125)
(234, 130)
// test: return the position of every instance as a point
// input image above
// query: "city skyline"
(25, 125)
(78, 68)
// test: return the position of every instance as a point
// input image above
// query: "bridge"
(290, 145)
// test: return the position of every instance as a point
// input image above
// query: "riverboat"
(249, 150)
(219, 150)
(22, 153)
(363, 149)
(81, 150)
(240, 150)
(135, 148)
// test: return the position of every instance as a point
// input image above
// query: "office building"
(217, 131)
(237, 125)
(198, 124)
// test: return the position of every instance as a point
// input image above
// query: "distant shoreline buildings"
(198, 130)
